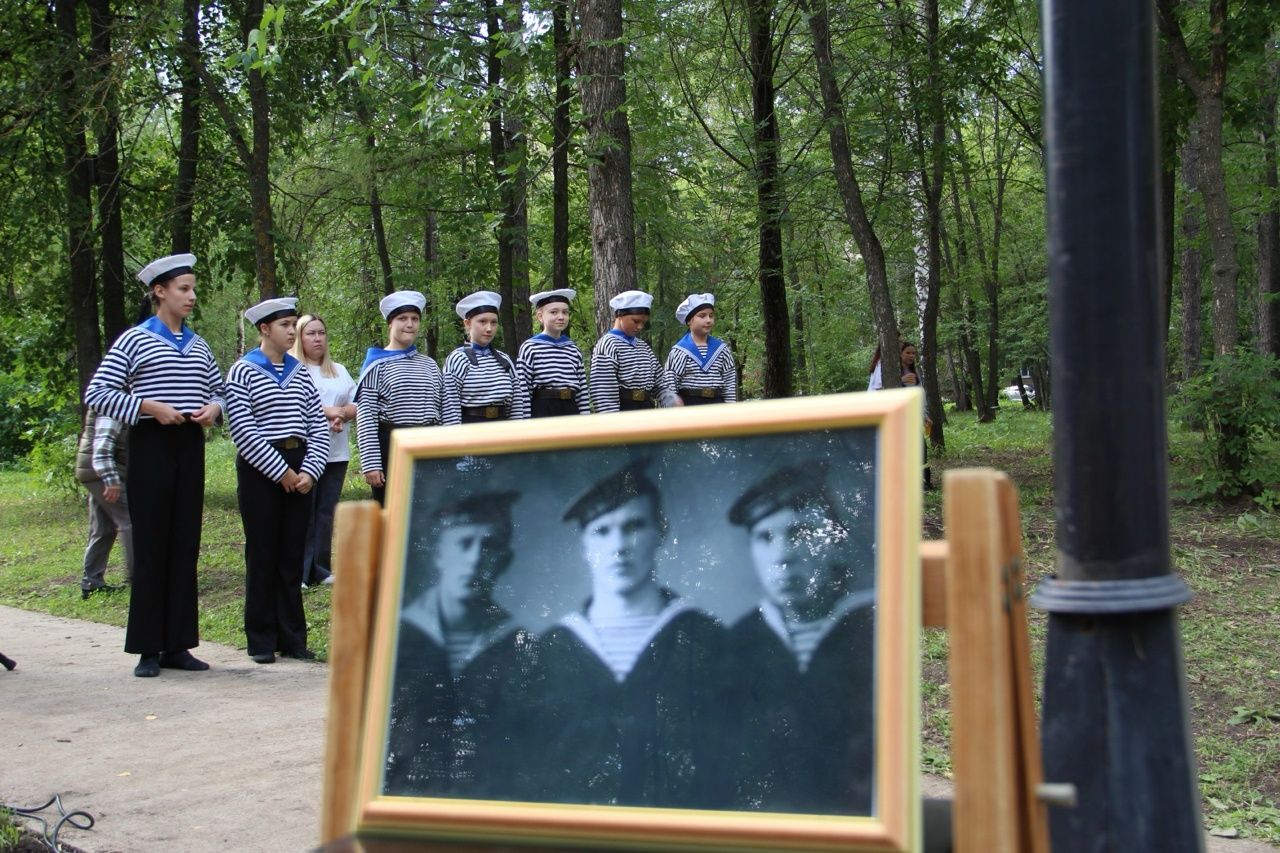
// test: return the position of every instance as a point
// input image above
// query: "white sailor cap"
(401, 301)
(270, 310)
(548, 297)
(162, 269)
(631, 302)
(694, 303)
(480, 302)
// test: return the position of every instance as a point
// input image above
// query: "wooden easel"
(972, 586)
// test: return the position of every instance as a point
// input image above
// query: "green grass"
(1228, 556)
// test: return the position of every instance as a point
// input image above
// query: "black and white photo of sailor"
(641, 662)
(483, 377)
(460, 711)
(804, 658)
(282, 446)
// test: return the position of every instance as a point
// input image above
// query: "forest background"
(839, 173)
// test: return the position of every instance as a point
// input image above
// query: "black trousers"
(275, 534)
(165, 484)
(699, 400)
(626, 404)
(384, 448)
(552, 407)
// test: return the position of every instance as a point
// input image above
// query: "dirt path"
(225, 760)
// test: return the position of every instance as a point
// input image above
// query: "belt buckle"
(707, 392)
(637, 395)
(565, 393)
(492, 411)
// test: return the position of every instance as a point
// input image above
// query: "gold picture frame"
(864, 455)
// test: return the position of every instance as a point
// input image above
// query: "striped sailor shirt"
(404, 391)
(547, 362)
(484, 376)
(621, 361)
(150, 362)
(268, 402)
(693, 367)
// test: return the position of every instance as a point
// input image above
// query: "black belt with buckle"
(290, 443)
(705, 393)
(486, 412)
(636, 395)
(553, 393)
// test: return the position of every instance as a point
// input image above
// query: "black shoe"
(106, 587)
(299, 654)
(148, 666)
(182, 660)
(265, 657)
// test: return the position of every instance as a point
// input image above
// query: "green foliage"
(1236, 404)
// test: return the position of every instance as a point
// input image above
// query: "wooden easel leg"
(357, 544)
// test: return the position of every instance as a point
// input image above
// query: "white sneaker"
(328, 581)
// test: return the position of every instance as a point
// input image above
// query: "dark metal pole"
(1115, 709)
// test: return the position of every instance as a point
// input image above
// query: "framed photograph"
(681, 629)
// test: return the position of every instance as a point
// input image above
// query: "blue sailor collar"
(628, 338)
(560, 341)
(487, 348)
(377, 354)
(182, 342)
(713, 344)
(258, 360)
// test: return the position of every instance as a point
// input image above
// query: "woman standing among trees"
(701, 366)
(282, 443)
(483, 378)
(549, 365)
(398, 387)
(337, 394)
(161, 378)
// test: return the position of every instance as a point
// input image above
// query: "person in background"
(875, 381)
(282, 444)
(337, 395)
(805, 657)
(101, 460)
(549, 365)
(701, 366)
(911, 379)
(482, 378)
(398, 387)
(625, 374)
(161, 378)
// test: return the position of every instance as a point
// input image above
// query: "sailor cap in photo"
(693, 304)
(548, 297)
(162, 269)
(631, 302)
(401, 301)
(270, 310)
(480, 302)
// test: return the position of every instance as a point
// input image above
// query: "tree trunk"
(430, 257)
(932, 181)
(184, 188)
(375, 216)
(973, 364)
(958, 385)
(773, 286)
(561, 131)
(259, 166)
(1269, 219)
(79, 198)
(1207, 91)
(107, 169)
(855, 211)
(604, 98)
(989, 395)
(1190, 263)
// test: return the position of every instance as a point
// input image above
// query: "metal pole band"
(1110, 597)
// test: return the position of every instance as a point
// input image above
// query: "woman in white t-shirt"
(337, 391)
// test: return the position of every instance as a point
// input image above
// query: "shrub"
(1235, 404)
